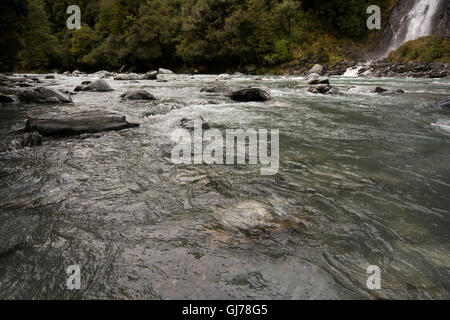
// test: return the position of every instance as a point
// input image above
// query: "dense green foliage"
(210, 34)
(425, 49)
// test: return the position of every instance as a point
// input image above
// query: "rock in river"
(443, 104)
(246, 215)
(380, 90)
(320, 88)
(164, 71)
(189, 123)
(223, 76)
(127, 76)
(6, 98)
(215, 89)
(76, 122)
(43, 95)
(251, 94)
(31, 139)
(314, 78)
(151, 75)
(137, 95)
(318, 69)
(99, 85)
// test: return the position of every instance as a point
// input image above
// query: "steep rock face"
(411, 19)
(441, 23)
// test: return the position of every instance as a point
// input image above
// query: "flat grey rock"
(63, 123)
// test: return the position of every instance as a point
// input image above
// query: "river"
(364, 179)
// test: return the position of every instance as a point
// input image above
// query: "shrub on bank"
(422, 50)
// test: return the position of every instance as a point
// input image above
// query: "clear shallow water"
(364, 180)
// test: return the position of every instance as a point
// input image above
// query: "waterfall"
(421, 19)
(411, 19)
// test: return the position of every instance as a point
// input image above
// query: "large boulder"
(137, 95)
(43, 95)
(164, 71)
(76, 122)
(314, 78)
(443, 104)
(99, 85)
(318, 69)
(250, 94)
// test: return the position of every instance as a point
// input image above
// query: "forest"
(203, 34)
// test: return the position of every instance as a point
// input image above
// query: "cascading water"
(421, 18)
(410, 19)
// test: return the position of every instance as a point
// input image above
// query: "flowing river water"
(364, 179)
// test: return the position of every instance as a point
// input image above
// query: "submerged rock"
(31, 139)
(49, 77)
(126, 77)
(137, 95)
(189, 123)
(103, 74)
(43, 95)
(320, 88)
(246, 216)
(215, 89)
(443, 104)
(223, 76)
(76, 122)
(251, 94)
(99, 85)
